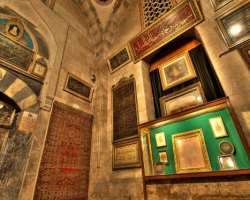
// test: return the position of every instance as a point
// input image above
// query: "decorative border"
(196, 133)
(196, 86)
(198, 18)
(89, 99)
(222, 30)
(136, 164)
(123, 64)
(219, 6)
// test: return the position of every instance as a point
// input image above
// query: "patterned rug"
(64, 170)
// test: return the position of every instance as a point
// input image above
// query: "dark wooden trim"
(188, 111)
(164, 178)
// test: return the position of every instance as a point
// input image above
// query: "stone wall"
(70, 51)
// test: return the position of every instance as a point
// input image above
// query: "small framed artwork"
(14, 29)
(218, 127)
(160, 139)
(176, 71)
(217, 4)
(39, 70)
(234, 24)
(227, 163)
(190, 152)
(163, 157)
(182, 100)
(119, 59)
(78, 87)
(226, 148)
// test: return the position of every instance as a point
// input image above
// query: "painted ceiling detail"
(102, 25)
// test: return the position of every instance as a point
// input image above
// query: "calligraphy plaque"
(78, 87)
(175, 22)
(126, 155)
(124, 110)
(15, 54)
(119, 59)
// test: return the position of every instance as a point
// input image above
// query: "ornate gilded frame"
(126, 146)
(219, 5)
(89, 99)
(198, 134)
(222, 29)
(195, 87)
(189, 65)
(123, 64)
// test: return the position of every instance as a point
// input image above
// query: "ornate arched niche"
(22, 47)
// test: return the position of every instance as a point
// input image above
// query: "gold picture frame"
(39, 70)
(69, 87)
(126, 154)
(218, 127)
(160, 139)
(163, 157)
(176, 71)
(233, 24)
(227, 162)
(217, 4)
(119, 58)
(190, 152)
(182, 100)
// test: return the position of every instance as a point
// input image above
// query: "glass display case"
(200, 142)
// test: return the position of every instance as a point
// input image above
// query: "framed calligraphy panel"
(175, 22)
(124, 110)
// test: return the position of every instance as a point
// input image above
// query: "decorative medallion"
(226, 148)
(14, 29)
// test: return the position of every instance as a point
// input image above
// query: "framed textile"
(160, 139)
(176, 71)
(217, 4)
(7, 115)
(65, 164)
(178, 20)
(234, 24)
(124, 110)
(126, 155)
(119, 59)
(218, 127)
(190, 152)
(182, 100)
(78, 87)
(227, 163)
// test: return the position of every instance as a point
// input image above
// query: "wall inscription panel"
(64, 169)
(15, 54)
(124, 110)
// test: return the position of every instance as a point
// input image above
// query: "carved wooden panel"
(64, 169)
(124, 109)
